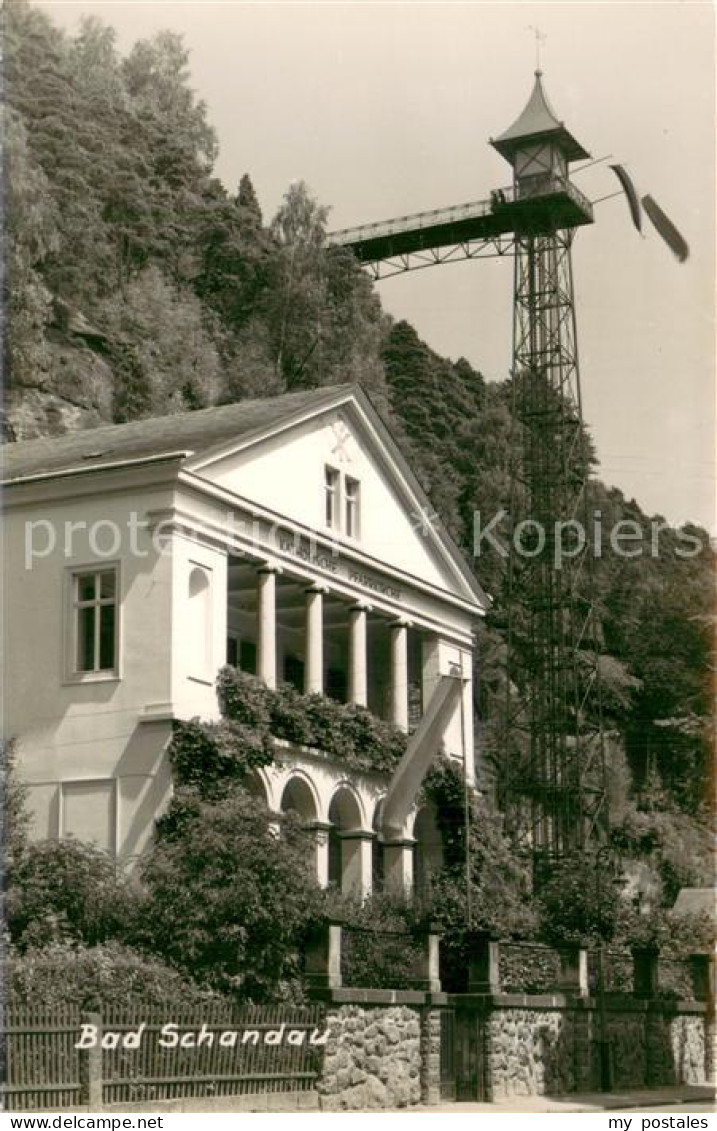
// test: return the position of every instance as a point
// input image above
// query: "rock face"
(372, 1059)
(75, 392)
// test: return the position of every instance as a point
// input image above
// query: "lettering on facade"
(308, 552)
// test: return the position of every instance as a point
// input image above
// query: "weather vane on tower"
(540, 38)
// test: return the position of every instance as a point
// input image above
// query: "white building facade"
(287, 537)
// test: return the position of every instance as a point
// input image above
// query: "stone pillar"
(266, 625)
(398, 865)
(90, 1066)
(399, 674)
(430, 1045)
(314, 669)
(573, 977)
(428, 974)
(323, 956)
(644, 971)
(702, 976)
(483, 963)
(358, 670)
(321, 832)
(356, 862)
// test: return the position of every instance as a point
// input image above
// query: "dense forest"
(137, 284)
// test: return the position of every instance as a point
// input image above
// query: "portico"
(286, 628)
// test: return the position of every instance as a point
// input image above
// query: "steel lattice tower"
(553, 789)
(552, 779)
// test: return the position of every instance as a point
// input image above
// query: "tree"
(229, 899)
(248, 203)
(580, 902)
(164, 357)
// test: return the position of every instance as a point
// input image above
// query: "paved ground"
(697, 1098)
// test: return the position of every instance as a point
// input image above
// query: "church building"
(285, 536)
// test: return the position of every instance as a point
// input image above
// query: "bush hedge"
(95, 978)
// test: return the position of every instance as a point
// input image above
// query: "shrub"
(203, 754)
(65, 890)
(289, 718)
(95, 978)
(228, 899)
(244, 698)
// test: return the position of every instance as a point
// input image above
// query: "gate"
(463, 1075)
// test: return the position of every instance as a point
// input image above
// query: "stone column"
(356, 862)
(358, 682)
(398, 865)
(266, 625)
(314, 669)
(321, 832)
(399, 674)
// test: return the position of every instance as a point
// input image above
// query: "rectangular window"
(95, 620)
(331, 489)
(352, 507)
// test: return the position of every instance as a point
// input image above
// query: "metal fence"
(217, 1050)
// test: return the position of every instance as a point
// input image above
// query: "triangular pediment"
(284, 469)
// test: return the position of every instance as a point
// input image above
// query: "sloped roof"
(206, 432)
(193, 432)
(538, 119)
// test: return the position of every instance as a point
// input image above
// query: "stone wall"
(372, 1058)
(534, 1049)
(689, 1049)
(384, 1048)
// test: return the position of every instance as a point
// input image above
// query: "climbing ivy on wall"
(204, 754)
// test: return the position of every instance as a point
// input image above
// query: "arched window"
(298, 798)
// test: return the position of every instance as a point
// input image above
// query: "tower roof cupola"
(538, 122)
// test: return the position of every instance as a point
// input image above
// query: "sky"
(387, 108)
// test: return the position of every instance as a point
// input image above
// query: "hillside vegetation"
(138, 284)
